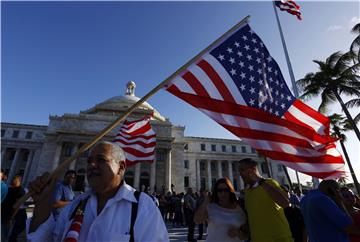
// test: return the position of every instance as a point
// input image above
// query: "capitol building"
(181, 161)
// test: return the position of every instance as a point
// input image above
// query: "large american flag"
(290, 7)
(239, 85)
(138, 140)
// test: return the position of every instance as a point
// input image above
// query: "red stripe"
(173, 89)
(75, 227)
(131, 163)
(292, 118)
(216, 79)
(251, 113)
(195, 84)
(321, 175)
(311, 112)
(70, 239)
(324, 159)
(146, 137)
(291, 4)
(141, 130)
(137, 153)
(142, 144)
(127, 122)
(264, 135)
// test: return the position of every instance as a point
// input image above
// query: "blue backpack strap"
(134, 209)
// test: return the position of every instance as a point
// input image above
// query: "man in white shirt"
(110, 210)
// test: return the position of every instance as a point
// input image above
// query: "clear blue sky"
(63, 57)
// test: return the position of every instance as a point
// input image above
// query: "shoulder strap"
(134, 209)
(81, 206)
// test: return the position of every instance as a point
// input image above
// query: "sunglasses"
(347, 195)
(223, 190)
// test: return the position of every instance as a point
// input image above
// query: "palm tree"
(355, 45)
(340, 124)
(354, 103)
(336, 76)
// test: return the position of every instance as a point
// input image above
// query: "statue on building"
(130, 88)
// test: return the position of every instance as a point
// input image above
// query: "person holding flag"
(110, 211)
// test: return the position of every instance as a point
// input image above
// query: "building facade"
(180, 161)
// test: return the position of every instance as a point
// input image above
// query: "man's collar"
(124, 192)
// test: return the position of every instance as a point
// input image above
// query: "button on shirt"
(112, 224)
(324, 220)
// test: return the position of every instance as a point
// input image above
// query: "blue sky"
(63, 57)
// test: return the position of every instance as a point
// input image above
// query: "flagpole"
(292, 77)
(107, 129)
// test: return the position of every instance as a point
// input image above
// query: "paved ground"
(175, 234)
(179, 234)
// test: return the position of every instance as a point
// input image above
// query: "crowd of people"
(111, 210)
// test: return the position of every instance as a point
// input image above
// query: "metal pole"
(292, 77)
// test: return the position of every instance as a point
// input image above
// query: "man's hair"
(327, 185)
(17, 177)
(70, 172)
(248, 162)
(116, 151)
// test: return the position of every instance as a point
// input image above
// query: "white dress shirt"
(112, 224)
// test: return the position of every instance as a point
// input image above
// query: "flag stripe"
(195, 84)
(290, 7)
(137, 153)
(138, 141)
(225, 77)
(143, 138)
(218, 82)
(248, 112)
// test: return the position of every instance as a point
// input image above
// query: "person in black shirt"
(9, 215)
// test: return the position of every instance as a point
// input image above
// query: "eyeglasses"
(223, 190)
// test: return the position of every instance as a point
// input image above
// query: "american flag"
(138, 140)
(290, 7)
(239, 85)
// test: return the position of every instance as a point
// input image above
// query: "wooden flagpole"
(107, 129)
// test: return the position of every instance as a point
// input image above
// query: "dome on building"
(120, 104)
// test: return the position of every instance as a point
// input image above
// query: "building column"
(152, 176)
(168, 171)
(219, 169)
(27, 167)
(137, 176)
(198, 182)
(3, 153)
(208, 173)
(241, 183)
(73, 164)
(57, 155)
(231, 177)
(14, 164)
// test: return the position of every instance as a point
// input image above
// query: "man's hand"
(276, 194)
(41, 190)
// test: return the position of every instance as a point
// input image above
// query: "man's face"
(103, 171)
(190, 191)
(247, 173)
(16, 182)
(69, 179)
